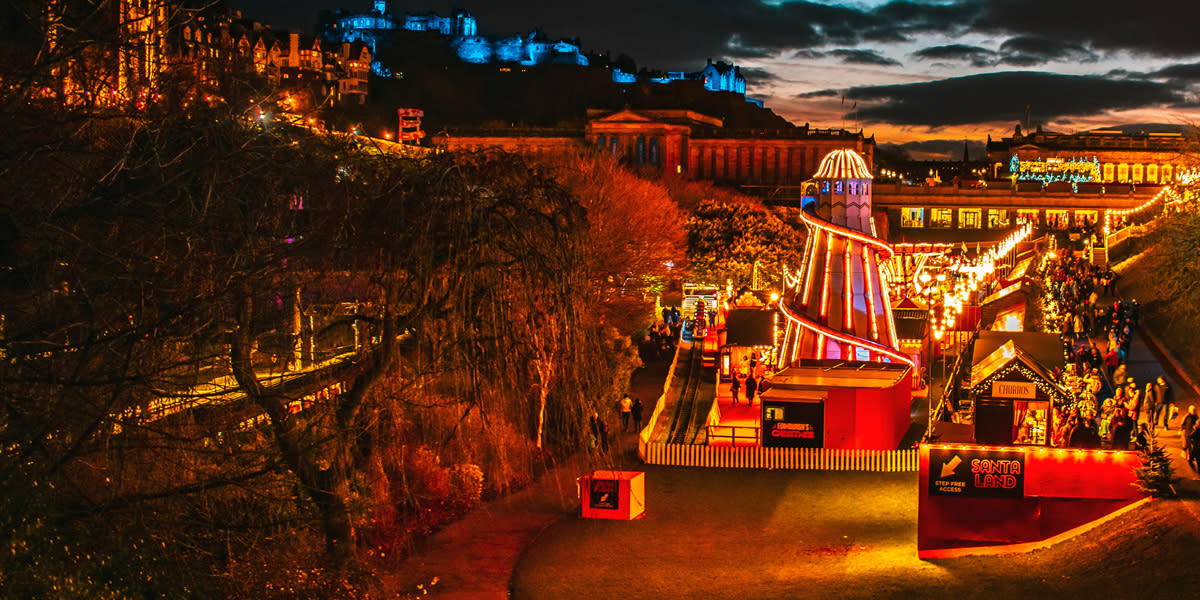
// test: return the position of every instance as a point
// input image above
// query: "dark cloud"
(1030, 50)
(1162, 27)
(1183, 72)
(819, 94)
(808, 54)
(1004, 96)
(755, 76)
(937, 149)
(863, 57)
(976, 55)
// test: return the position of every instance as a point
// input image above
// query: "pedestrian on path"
(1166, 400)
(636, 411)
(751, 388)
(735, 387)
(1188, 426)
(626, 410)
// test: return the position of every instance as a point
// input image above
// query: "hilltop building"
(379, 28)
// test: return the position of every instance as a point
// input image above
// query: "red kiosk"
(613, 495)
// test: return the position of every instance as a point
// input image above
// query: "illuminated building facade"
(837, 303)
(716, 77)
(379, 27)
(1102, 156)
(681, 143)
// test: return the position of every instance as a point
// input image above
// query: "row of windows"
(996, 218)
(1125, 173)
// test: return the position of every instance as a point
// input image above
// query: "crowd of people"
(1108, 408)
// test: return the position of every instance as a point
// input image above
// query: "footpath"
(474, 557)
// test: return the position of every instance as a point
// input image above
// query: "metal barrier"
(802, 459)
(734, 433)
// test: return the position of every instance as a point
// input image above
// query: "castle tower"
(837, 304)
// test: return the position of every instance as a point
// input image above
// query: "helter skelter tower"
(837, 304)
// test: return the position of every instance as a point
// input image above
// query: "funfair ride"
(837, 304)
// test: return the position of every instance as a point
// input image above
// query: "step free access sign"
(976, 473)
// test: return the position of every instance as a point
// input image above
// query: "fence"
(803, 459)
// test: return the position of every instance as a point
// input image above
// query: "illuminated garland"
(1109, 214)
(954, 298)
(1072, 170)
(1051, 389)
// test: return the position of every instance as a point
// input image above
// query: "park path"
(473, 558)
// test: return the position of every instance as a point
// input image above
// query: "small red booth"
(613, 495)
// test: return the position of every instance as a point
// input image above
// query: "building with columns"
(681, 143)
(1103, 156)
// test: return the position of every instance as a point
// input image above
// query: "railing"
(801, 459)
(648, 430)
(732, 434)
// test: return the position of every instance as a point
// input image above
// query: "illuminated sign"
(1014, 389)
(976, 473)
(793, 424)
(605, 493)
(1056, 169)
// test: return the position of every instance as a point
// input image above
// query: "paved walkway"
(474, 558)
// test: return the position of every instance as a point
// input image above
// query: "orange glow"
(878, 244)
(866, 256)
(849, 300)
(825, 284)
(825, 332)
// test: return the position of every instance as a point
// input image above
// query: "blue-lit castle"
(378, 27)
(717, 77)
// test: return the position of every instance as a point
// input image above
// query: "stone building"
(1105, 156)
(682, 143)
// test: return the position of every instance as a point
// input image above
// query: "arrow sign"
(948, 468)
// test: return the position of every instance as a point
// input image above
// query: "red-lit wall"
(868, 419)
(1063, 489)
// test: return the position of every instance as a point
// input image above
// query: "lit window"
(1167, 173)
(854, 187)
(941, 218)
(912, 217)
(1108, 172)
(1137, 174)
(837, 187)
(1122, 172)
(1152, 173)
(997, 218)
(969, 218)
(1030, 422)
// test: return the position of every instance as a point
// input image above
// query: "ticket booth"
(613, 495)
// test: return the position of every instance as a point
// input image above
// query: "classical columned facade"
(681, 143)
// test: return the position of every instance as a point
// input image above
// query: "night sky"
(924, 74)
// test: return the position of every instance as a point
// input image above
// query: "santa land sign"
(976, 473)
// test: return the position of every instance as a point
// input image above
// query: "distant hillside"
(454, 94)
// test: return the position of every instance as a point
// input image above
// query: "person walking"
(1166, 400)
(735, 387)
(594, 429)
(1193, 441)
(1120, 429)
(636, 411)
(751, 389)
(626, 410)
(1188, 426)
